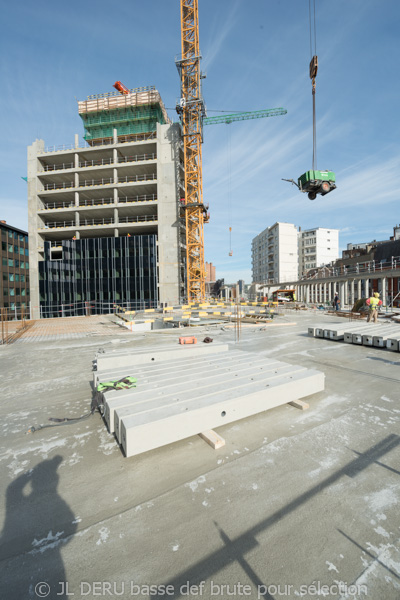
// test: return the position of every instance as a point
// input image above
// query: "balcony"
(136, 178)
(97, 222)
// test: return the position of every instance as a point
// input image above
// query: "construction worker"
(336, 301)
(373, 303)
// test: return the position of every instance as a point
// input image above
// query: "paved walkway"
(68, 327)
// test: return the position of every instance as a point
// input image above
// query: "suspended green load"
(316, 182)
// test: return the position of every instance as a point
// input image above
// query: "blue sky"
(256, 55)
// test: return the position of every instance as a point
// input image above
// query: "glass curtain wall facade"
(14, 268)
(97, 275)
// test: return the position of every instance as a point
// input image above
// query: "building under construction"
(104, 216)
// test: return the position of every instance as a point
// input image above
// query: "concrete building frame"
(115, 189)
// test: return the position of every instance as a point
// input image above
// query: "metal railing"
(55, 205)
(91, 182)
(131, 178)
(96, 202)
(93, 308)
(99, 202)
(96, 163)
(104, 221)
(142, 198)
(359, 268)
(123, 139)
(59, 167)
(59, 186)
(137, 158)
(138, 219)
(57, 224)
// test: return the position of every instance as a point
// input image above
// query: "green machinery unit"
(315, 182)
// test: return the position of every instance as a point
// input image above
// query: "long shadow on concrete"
(235, 549)
(37, 524)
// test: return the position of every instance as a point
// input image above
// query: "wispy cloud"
(218, 32)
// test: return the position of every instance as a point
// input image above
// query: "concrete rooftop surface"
(297, 504)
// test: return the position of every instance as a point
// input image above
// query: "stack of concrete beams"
(379, 335)
(185, 390)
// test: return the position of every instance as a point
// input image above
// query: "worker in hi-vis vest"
(373, 303)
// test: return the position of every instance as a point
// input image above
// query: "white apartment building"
(275, 254)
(317, 247)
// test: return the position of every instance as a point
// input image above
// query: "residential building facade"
(14, 278)
(317, 247)
(275, 254)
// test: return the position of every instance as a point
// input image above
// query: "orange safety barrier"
(188, 340)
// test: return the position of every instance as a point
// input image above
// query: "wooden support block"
(213, 439)
(300, 404)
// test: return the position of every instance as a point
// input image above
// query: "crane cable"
(230, 188)
(313, 74)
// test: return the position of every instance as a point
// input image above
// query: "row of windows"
(15, 292)
(14, 305)
(13, 248)
(102, 273)
(13, 234)
(14, 262)
(15, 277)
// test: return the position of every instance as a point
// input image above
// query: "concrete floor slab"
(294, 499)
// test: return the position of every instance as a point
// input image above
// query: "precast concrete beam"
(160, 368)
(146, 430)
(171, 369)
(128, 359)
(393, 344)
(185, 381)
(209, 388)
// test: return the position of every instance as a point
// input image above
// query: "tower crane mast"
(192, 110)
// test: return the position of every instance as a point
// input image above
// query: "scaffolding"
(134, 113)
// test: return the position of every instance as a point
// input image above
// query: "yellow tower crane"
(192, 113)
(192, 110)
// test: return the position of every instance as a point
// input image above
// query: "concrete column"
(76, 160)
(320, 293)
(116, 233)
(76, 177)
(77, 219)
(342, 294)
(307, 293)
(77, 235)
(359, 289)
(116, 217)
(76, 198)
(115, 136)
(366, 288)
(115, 156)
(115, 175)
(34, 239)
(115, 196)
(77, 140)
(325, 292)
(352, 299)
(168, 233)
(383, 294)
